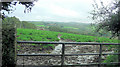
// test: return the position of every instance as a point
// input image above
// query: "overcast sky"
(57, 10)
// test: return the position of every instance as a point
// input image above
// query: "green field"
(71, 27)
(36, 35)
(41, 25)
(85, 38)
(42, 35)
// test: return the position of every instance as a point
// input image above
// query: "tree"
(107, 17)
(8, 6)
(19, 24)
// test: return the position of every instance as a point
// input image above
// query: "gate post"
(8, 45)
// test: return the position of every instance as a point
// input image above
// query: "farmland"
(85, 38)
(41, 25)
(42, 35)
(36, 35)
(71, 27)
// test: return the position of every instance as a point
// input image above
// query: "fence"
(99, 64)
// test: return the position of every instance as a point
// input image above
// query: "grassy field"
(71, 27)
(85, 38)
(36, 35)
(42, 35)
(41, 25)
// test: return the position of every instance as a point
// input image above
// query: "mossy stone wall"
(8, 45)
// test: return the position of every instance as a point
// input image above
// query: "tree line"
(18, 23)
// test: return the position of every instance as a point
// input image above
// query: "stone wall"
(0, 42)
(8, 45)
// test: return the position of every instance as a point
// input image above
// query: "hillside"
(69, 27)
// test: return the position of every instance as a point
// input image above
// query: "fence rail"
(77, 43)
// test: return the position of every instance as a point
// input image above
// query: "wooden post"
(62, 57)
(8, 45)
(100, 56)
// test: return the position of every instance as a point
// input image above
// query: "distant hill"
(73, 26)
(68, 27)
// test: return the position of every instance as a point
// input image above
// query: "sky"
(57, 10)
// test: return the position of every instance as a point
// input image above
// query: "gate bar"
(77, 43)
(67, 54)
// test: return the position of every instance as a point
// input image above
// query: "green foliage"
(26, 25)
(9, 6)
(111, 58)
(18, 49)
(18, 46)
(107, 17)
(33, 44)
(57, 29)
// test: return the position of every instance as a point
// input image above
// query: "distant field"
(41, 25)
(71, 27)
